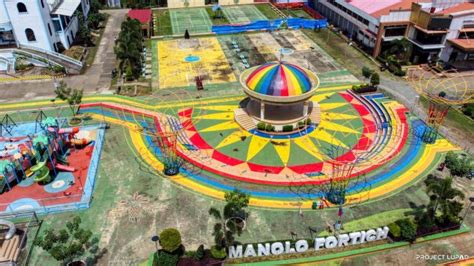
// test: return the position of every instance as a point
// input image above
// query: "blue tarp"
(297, 23)
(293, 23)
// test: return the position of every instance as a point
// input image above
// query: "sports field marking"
(243, 14)
(195, 20)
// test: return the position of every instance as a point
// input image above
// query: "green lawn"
(296, 13)
(268, 11)
(455, 118)
(162, 22)
(216, 21)
(345, 55)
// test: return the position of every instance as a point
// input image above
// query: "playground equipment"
(41, 173)
(11, 228)
(442, 91)
(40, 155)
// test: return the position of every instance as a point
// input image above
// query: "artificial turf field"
(195, 20)
(243, 14)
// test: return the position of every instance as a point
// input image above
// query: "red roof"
(458, 8)
(142, 15)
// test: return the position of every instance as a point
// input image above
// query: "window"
(50, 32)
(42, 3)
(30, 35)
(21, 8)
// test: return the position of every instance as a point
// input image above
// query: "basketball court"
(180, 61)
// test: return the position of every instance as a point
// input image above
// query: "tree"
(170, 239)
(459, 166)
(443, 194)
(407, 229)
(129, 47)
(72, 96)
(375, 79)
(237, 201)
(367, 72)
(84, 32)
(68, 244)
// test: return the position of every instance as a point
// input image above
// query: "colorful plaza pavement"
(228, 157)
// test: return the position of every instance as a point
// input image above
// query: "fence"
(293, 23)
(53, 54)
(312, 12)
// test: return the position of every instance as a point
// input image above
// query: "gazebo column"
(262, 110)
(305, 108)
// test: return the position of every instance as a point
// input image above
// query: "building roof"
(279, 79)
(463, 44)
(458, 8)
(378, 8)
(142, 15)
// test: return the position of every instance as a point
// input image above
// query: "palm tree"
(442, 194)
(129, 47)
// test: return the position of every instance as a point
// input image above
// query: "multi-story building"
(373, 23)
(442, 30)
(46, 24)
(438, 29)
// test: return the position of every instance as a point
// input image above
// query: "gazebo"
(279, 95)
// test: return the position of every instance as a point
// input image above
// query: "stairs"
(10, 249)
(243, 119)
(315, 115)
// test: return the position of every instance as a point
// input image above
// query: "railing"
(54, 54)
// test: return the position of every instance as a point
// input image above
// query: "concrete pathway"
(96, 79)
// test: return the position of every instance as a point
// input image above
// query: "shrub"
(261, 126)
(170, 239)
(287, 128)
(468, 110)
(367, 72)
(394, 230)
(269, 128)
(167, 259)
(200, 252)
(308, 121)
(218, 253)
(399, 72)
(407, 229)
(301, 124)
(375, 79)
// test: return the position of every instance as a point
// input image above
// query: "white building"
(46, 24)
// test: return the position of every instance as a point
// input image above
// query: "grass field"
(268, 11)
(195, 20)
(243, 14)
(216, 20)
(296, 13)
(162, 22)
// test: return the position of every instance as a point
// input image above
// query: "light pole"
(471, 199)
(155, 239)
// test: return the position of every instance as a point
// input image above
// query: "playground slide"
(65, 168)
(42, 172)
(11, 228)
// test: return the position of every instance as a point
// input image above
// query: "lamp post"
(155, 239)
(471, 199)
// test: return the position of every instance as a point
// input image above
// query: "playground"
(47, 166)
